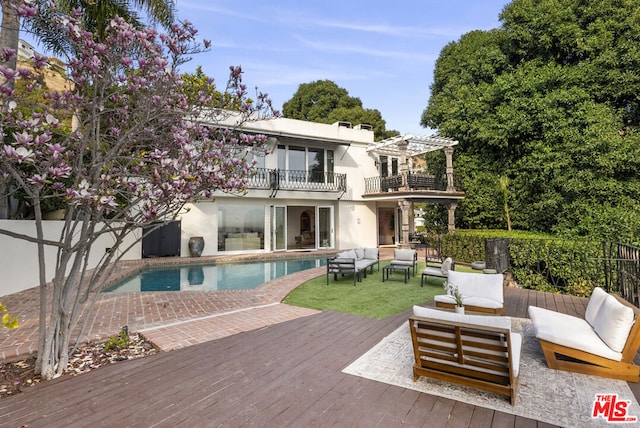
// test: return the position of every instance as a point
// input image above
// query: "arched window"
(305, 222)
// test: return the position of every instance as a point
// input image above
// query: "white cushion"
(613, 323)
(359, 253)
(488, 286)
(362, 264)
(481, 302)
(569, 331)
(483, 320)
(446, 265)
(598, 297)
(433, 271)
(371, 253)
(350, 254)
(406, 255)
(516, 348)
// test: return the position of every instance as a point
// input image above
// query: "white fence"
(19, 258)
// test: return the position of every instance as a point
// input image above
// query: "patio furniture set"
(480, 350)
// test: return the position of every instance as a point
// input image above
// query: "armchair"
(441, 271)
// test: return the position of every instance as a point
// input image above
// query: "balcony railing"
(413, 182)
(279, 179)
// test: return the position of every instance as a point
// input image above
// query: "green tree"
(96, 16)
(198, 85)
(325, 102)
(550, 101)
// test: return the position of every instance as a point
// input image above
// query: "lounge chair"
(441, 271)
(603, 343)
(478, 351)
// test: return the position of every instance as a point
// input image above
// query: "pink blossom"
(6, 53)
(24, 155)
(23, 138)
(39, 61)
(9, 151)
(8, 73)
(61, 171)
(38, 179)
(56, 150)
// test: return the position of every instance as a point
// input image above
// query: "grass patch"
(370, 298)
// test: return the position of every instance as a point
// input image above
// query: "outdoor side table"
(392, 267)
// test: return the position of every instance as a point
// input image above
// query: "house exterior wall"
(354, 219)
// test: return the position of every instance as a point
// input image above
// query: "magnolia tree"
(133, 156)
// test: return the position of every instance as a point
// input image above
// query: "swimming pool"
(211, 277)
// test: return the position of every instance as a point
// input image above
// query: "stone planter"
(196, 245)
(459, 310)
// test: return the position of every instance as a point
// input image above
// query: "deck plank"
(287, 374)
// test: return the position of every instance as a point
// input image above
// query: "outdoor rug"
(551, 396)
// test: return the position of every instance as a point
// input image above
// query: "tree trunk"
(9, 35)
(10, 31)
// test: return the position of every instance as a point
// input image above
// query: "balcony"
(408, 182)
(309, 181)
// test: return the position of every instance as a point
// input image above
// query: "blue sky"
(382, 52)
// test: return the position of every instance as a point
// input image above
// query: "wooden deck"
(287, 374)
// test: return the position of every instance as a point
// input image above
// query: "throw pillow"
(446, 265)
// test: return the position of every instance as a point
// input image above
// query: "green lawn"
(370, 298)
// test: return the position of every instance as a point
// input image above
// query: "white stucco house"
(320, 187)
(323, 187)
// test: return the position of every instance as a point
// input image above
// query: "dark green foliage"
(549, 100)
(325, 102)
(566, 266)
(537, 261)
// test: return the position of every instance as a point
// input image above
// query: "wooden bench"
(471, 350)
(604, 343)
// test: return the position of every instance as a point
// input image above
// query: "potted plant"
(453, 291)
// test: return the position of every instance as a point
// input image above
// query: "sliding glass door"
(278, 228)
(325, 227)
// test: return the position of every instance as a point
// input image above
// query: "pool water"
(211, 277)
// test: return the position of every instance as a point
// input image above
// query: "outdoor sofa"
(603, 343)
(478, 351)
(480, 292)
(355, 262)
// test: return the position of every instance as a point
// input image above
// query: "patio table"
(394, 267)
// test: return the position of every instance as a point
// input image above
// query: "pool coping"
(150, 311)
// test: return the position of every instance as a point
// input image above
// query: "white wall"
(200, 220)
(19, 258)
(356, 225)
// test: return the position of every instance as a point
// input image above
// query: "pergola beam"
(413, 145)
